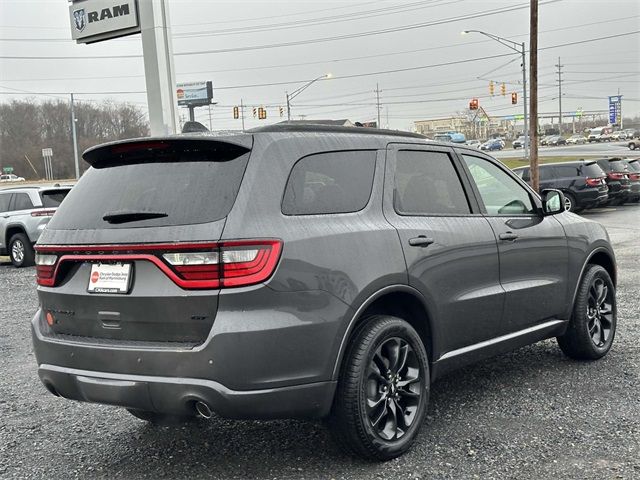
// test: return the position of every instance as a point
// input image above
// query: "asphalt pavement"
(530, 414)
(607, 149)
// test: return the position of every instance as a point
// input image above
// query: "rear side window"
(331, 182)
(21, 201)
(191, 189)
(4, 202)
(426, 183)
(53, 198)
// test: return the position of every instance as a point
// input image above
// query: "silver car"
(24, 213)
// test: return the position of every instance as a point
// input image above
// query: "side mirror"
(552, 201)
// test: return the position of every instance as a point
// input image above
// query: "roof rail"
(320, 128)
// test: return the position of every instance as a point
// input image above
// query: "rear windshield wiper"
(124, 216)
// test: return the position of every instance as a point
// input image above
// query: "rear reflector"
(190, 266)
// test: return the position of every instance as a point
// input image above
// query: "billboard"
(97, 20)
(615, 109)
(194, 93)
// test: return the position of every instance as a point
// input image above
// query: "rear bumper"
(178, 395)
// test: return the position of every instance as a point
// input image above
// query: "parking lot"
(530, 414)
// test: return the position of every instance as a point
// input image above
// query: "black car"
(634, 178)
(583, 183)
(617, 179)
(556, 141)
(306, 271)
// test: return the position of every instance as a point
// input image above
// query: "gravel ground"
(530, 414)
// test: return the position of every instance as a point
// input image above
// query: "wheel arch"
(11, 231)
(599, 256)
(401, 301)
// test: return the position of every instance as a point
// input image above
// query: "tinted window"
(53, 198)
(4, 202)
(566, 171)
(332, 182)
(427, 183)
(188, 192)
(22, 202)
(546, 173)
(634, 166)
(593, 170)
(501, 194)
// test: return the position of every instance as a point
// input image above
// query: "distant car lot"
(498, 419)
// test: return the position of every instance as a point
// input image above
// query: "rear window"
(53, 198)
(188, 190)
(617, 166)
(332, 182)
(593, 170)
(634, 166)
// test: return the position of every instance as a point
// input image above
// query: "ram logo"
(79, 19)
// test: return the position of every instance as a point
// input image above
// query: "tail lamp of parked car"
(616, 175)
(595, 182)
(190, 266)
(43, 213)
(634, 176)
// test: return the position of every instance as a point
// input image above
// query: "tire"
(570, 202)
(369, 392)
(160, 418)
(21, 251)
(592, 327)
(632, 146)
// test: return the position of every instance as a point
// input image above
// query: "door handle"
(421, 241)
(508, 236)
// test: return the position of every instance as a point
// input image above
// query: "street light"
(298, 91)
(517, 47)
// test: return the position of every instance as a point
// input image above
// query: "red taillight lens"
(594, 182)
(616, 176)
(634, 176)
(43, 213)
(45, 268)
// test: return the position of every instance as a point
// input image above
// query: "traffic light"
(262, 113)
(514, 98)
(473, 104)
(236, 112)
(503, 89)
(491, 88)
(281, 111)
(255, 112)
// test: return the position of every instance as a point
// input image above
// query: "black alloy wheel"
(592, 328)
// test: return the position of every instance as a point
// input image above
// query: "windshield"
(186, 192)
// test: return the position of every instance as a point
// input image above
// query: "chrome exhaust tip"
(203, 410)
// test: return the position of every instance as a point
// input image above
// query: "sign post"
(97, 20)
(47, 156)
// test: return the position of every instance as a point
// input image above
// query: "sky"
(412, 51)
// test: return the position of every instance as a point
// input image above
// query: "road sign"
(47, 152)
(98, 20)
(7, 169)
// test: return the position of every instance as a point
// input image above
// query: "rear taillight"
(616, 176)
(594, 182)
(190, 266)
(43, 213)
(45, 269)
(634, 176)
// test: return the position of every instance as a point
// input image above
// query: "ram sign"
(97, 20)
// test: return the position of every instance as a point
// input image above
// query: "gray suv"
(24, 213)
(309, 272)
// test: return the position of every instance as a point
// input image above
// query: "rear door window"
(22, 201)
(53, 198)
(188, 189)
(427, 183)
(331, 182)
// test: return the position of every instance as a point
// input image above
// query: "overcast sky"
(420, 90)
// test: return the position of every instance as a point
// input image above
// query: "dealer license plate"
(109, 278)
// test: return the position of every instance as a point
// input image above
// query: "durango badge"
(79, 19)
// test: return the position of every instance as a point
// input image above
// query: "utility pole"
(533, 97)
(377, 91)
(559, 65)
(242, 113)
(210, 125)
(75, 138)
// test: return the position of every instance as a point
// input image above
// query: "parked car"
(617, 179)
(599, 134)
(633, 144)
(474, 143)
(631, 133)
(24, 213)
(556, 140)
(633, 169)
(494, 144)
(582, 182)
(518, 142)
(306, 271)
(545, 139)
(576, 139)
(10, 177)
(619, 135)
